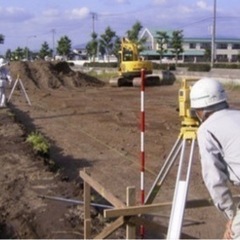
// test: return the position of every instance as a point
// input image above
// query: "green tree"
(92, 46)
(238, 57)
(27, 53)
(45, 51)
(176, 42)
(162, 41)
(64, 46)
(8, 54)
(117, 46)
(208, 54)
(18, 54)
(133, 35)
(2, 39)
(107, 41)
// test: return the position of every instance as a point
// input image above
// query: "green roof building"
(194, 49)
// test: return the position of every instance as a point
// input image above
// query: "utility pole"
(53, 43)
(213, 55)
(94, 17)
(27, 49)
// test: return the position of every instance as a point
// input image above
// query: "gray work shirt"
(4, 75)
(219, 146)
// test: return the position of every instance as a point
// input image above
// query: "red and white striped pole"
(142, 136)
(142, 145)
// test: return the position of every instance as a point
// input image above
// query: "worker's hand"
(228, 231)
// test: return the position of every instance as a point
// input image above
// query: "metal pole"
(27, 50)
(164, 171)
(53, 43)
(180, 193)
(213, 55)
(94, 16)
(73, 201)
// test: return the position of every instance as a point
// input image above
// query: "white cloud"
(11, 14)
(122, 1)
(186, 9)
(159, 2)
(203, 5)
(12, 10)
(51, 13)
(79, 13)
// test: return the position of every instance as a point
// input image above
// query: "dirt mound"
(54, 75)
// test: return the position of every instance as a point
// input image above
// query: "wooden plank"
(135, 210)
(143, 209)
(108, 230)
(87, 200)
(131, 201)
(101, 190)
(87, 228)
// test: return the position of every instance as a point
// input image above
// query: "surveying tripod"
(19, 81)
(189, 126)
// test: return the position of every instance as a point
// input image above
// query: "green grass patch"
(39, 143)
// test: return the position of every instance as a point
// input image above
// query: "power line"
(196, 22)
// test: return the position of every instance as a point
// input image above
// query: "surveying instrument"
(187, 136)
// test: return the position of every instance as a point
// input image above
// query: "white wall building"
(227, 49)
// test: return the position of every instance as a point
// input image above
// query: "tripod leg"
(13, 88)
(24, 91)
(164, 171)
(180, 194)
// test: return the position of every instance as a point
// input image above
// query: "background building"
(194, 49)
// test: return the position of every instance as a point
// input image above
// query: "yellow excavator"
(130, 65)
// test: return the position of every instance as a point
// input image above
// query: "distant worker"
(219, 146)
(5, 79)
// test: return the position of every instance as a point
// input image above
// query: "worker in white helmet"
(5, 79)
(219, 146)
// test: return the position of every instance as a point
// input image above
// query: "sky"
(30, 23)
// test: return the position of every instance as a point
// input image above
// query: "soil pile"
(53, 75)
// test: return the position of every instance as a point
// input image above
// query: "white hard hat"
(207, 92)
(2, 62)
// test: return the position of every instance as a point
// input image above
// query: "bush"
(101, 64)
(39, 143)
(227, 65)
(164, 66)
(199, 67)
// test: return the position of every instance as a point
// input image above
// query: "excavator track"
(120, 82)
(150, 80)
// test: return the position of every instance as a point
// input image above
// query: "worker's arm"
(228, 231)
(8, 76)
(215, 173)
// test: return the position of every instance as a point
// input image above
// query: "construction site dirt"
(91, 126)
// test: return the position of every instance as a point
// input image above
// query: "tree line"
(106, 44)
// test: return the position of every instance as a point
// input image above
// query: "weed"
(39, 143)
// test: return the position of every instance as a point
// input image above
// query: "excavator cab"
(130, 66)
